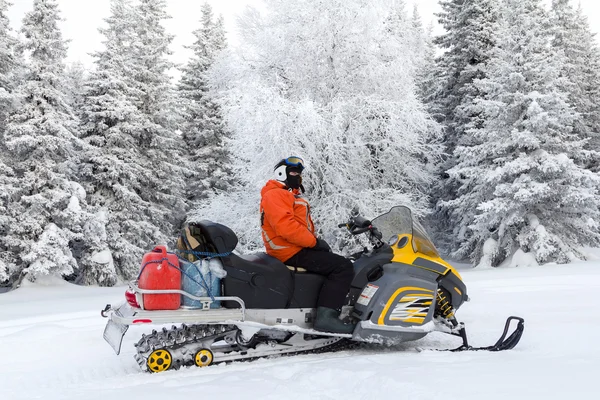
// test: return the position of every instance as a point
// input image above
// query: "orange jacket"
(286, 223)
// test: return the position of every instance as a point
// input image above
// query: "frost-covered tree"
(74, 82)
(403, 28)
(8, 261)
(203, 128)
(578, 47)
(150, 55)
(470, 34)
(108, 110)
(518, 172)
(117, 169)
(155, 100)
(331, 85)
(8, 66)
(423, 43)
(112, 171)
(419, 31)
(48, 208)
(96, 263)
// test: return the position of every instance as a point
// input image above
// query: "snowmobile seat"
(260, 280)
(264, 282)
(306, 287)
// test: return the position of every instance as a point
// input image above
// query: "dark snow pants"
(338, 270)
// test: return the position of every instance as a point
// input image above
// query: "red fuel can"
(158, 274)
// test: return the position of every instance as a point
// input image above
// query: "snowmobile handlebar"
(358, 225)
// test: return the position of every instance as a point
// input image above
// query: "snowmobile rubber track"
(177, 340)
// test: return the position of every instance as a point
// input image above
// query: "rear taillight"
(130, 297)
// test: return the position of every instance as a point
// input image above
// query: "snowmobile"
(402, 291)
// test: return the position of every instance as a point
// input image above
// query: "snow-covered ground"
(52, 348)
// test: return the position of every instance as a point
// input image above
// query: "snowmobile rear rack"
(503, 343)
(130, 316)
(124, 315)
(206, 301)
(127, 315)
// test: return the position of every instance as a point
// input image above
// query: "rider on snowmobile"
(289, 235)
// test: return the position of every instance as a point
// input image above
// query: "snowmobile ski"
(501, 344)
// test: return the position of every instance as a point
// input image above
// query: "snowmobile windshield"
(399, 221)
(421, 242)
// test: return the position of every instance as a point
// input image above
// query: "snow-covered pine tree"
(8, 66)
(468, 39)
(331, 85)
(74, 81)
(532, 197)
(426, 68)
(219, 34)
(203, 128)
(419, 49)
(428, 82)
(573, 40)
(419, 31)
(401, 26)
(409, 31)
(115, 170)
(425, 62)
(160, 145)
(150, 52)
(8, 261)
(47, 209)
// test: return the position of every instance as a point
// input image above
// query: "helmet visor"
(294, 161)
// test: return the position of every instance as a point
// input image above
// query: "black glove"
(321, 245)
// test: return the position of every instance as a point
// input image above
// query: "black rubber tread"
(185, 334)
(175, 337)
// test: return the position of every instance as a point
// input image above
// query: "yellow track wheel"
(203, 358)
(160, 360)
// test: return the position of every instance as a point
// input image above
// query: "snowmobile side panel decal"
(412, 309)
(381, 320)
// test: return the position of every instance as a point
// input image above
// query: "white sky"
(83, 17)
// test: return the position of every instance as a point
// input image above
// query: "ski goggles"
(294, 161)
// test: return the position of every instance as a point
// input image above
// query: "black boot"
(327, 321)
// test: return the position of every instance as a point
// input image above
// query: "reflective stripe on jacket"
(286, 223)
